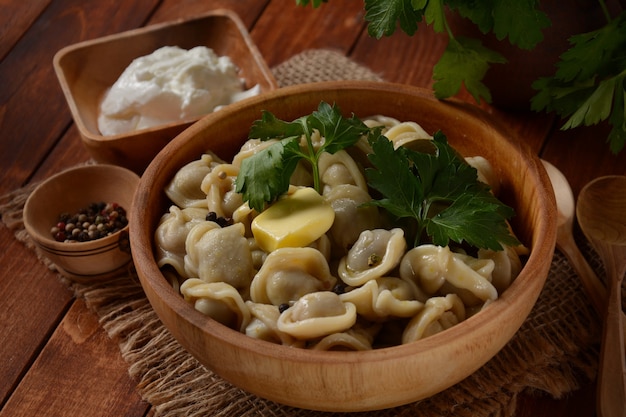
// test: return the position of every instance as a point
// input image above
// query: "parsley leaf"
(588, 86)
(465, 61)
(383, 16)
(440, 193)
(314, 3)
(265, 176)
(520, 21)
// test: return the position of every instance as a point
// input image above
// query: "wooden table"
(56, 359)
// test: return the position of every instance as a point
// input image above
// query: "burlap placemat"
(555, 351)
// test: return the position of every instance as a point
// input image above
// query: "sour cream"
(170, 85)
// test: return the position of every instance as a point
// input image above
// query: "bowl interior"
(72, 190)
(86, 70)
(326, 380)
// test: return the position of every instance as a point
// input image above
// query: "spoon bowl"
(600, 211)
(565, 242)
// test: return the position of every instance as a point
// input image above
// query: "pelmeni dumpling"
(405, 133)
(249, 148)
(171, 234)
(218, 300)
(219, 187)
(263, 325)
(339, 168)
(290, 273)
(184, 189)
(317, 314)
(431, 267)
(373, 255)
(486, 174)
(382, 297)
(217, 254)
(439, 313)
(351, 216)
(507, 266)
(357, 338)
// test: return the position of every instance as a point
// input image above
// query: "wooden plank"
(15, 20)
(80, 372)
(583, 154)
(286, 29)
(410, 60)
(247, 11)
(400, 58)
(33, 111)
(33, 303)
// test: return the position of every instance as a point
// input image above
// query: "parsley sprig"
(434, 194)
(465, 61)
(589, 85)
(265, 176)
(439, 193)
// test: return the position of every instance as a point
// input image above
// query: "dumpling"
(357, 338)
(405, 134)
(249, 148)
(439, 313)
(437, 270)
(218, 300)
(317, 314)
(373, 255)
(382, 297)
(184, 189)
(219, 187)
(379, 120)
(216, 254)
(351, 216)
(486, 174)
(339, 168)
(507, 266)
(171, 234)
(263, 325)
(288, 274)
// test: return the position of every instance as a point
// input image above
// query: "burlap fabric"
(554, 352)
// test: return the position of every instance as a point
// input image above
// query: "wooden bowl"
(367, 380)
(86, 70)
(68, 192)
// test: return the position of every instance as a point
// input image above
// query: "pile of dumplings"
(358, 287)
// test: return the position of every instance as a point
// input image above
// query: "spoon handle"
(593, 286)
(612, 373)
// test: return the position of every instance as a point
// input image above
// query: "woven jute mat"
(554, 352)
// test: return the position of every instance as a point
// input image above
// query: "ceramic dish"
(87, 69)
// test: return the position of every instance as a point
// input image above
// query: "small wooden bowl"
(353, 381)
(70, 191)
(88, 69)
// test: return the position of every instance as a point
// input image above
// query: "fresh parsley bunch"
(589, 85)
(587, 88)
(434, 194)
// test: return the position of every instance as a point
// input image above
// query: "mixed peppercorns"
(90, 223)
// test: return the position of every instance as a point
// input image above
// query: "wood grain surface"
(56, 360)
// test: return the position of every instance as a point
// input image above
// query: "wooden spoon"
(566, 243)
(601, 214)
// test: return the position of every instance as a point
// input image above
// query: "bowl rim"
(543, 239)
(46, 242)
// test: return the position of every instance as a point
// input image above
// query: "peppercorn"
(96, 221)
(221, 221)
